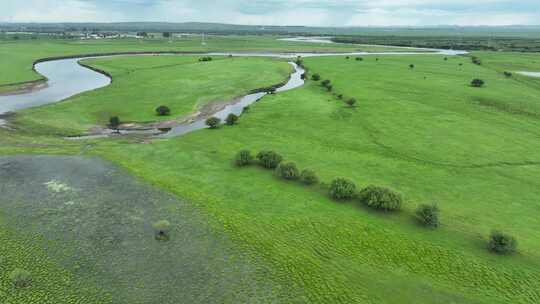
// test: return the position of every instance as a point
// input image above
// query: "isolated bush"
(205, 59)
(325, 83)
(502, 243)
(269, 159)
(288, 171)
(329, 88)
(163, 111)
(445, 58)
(411, 66)
(162, 230)
(315, 77)
(348, 57)
(380, 198)
(243, 158)
(231, 119)
(351, 102)
(213, 122)
(245, 109)
(359, 59)
(507, 74)
(428, 215)
(20, 278)
(309, 177)
(477, 83)
(342, 188)
(114, 122)
(340, 96)
(476, 60)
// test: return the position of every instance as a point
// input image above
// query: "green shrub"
(231, 119)
(309, 177)
(428, 215)
(342, 189)
(114, 122)
(351, 102)
(411, 66)
(163, 111)
(325, 83)
(316, 77)
(243, 158)
(213, 122)
(269, 159)
(162, 230)
(477, 83)
(20, 278)
(288, 171)
(380, 198)
(502, 243)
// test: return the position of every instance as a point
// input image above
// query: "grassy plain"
(16, 57)
(143, 83)
(423, 132)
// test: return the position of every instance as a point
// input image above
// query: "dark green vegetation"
(428, 215)
(502, 243)
(423, 132)
(380, 198)
(516, 43)
(213, 122)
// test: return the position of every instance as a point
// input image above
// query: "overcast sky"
(279, 12)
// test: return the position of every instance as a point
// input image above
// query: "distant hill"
(219, 28)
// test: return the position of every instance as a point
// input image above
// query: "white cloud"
(278, 12)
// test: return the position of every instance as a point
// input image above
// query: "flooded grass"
(96, 222)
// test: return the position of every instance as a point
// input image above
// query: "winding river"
(67, 77)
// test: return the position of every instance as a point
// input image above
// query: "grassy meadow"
(143, 83)
(16, 57)
(422, 131)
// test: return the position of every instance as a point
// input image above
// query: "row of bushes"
(376, 197)
(273, 160)
(329, 87)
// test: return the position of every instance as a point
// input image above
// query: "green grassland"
(143, 83)
(423, 132)
(16, 57)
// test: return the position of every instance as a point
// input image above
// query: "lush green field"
(143, 83)
(423, 132)
(16, 57)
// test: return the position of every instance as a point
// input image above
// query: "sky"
(279, 12)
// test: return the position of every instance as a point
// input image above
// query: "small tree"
(428, 215)
(309, 177)
(359, 59)
(502, 243)
(329, 88)
(114, 123)
(340, 96)
(213, 122)
(342, 189)
(445, 58)
(269, 159)
(351, 102)
(163, 111)
(411, 66)
(507, 74)
(315, 77)
(231, 119)
(243, 158)
(162, 230)
(20, 278)
(288, 171)
(477, 83)
(380, 198)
